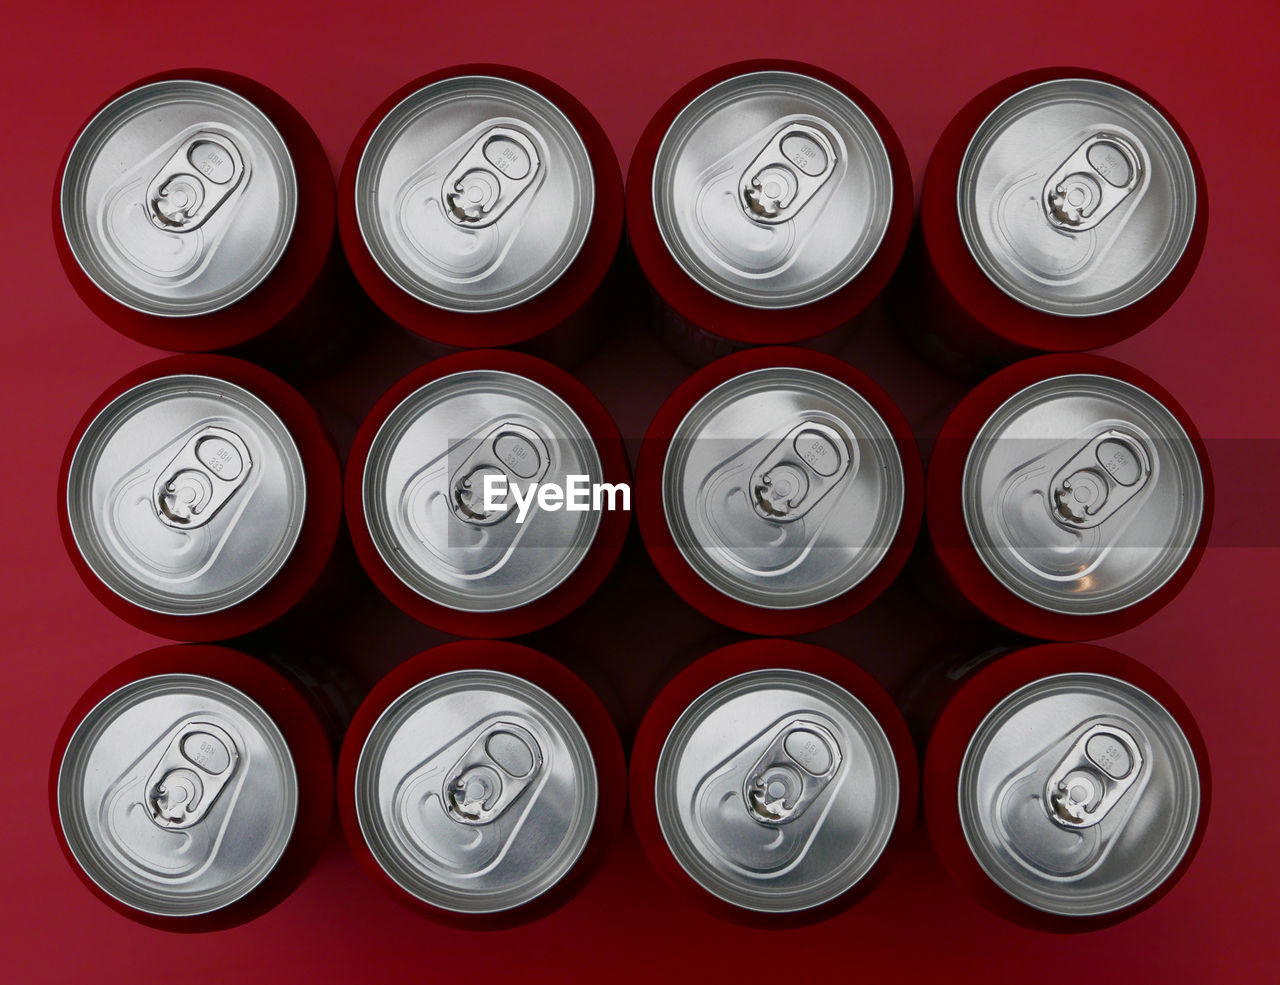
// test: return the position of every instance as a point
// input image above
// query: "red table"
(1217, 350)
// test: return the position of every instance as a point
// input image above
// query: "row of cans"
(480, 784)
(768, 202)
(778, 490)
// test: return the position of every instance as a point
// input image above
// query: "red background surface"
(1217, 350)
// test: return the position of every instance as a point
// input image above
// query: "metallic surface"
(186, 495)
(1079, 794)
(476, 791)
(423, 490)
(783, 488)
(772, 190)
(179, 198)
(177, 795)
(474, 194)
(1076, 197)
(776, 790)
(1082, 494)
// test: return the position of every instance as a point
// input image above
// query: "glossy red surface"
(1216, 349)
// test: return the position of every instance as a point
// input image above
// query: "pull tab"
(493, 173)
(194, 182)
(1101, 766)
(492, 774)
(802, 468)
(1099, 479)
(786, 173)
(195, 768)
(1090, 184)
(511, 450)
(799, 763)
(206, 473)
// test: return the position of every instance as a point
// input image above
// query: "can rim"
(686, 581)
(567, 296)
(993, 313)
(728, 319)
(975, 696)
(730, 661)
(590, 571)
(948, 534)
(549, 675)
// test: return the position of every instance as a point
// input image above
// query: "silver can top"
(476, 791)
(783, 488)
(772, 189)
(177, 795)
(1082, 494)
(1079, 794)
(186, 495)
(776, 790)
(474, 194)
(179, 198)
(424, 486)
(1076, 197)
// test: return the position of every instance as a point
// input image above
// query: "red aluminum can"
(442, 178)
(1007, 272)
(199, 497)
(191, 788)
(414, 491)
(811, 224)
(181, 250)
(1066, 787)
(1069, 497)
(779, 490)
(481, 784)
(742, 758)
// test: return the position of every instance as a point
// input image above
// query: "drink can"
(1069, 497)
(192, 788)
(1062, 210)
(199, 497)
(774, 781)
(779, 490)
(194, 210)
(1065, 786)
(416, 488)
(481, 783)
(768, 202)
(481, 205)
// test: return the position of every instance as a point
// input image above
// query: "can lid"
(179, 198)
(783, 488)
(1079, 794)
(474, 194)
(186, 495)
(177, 795)
(476, 791)
(776, 790)
(425, 480)
(772, 189)
(1083, 494)
(1076, 197)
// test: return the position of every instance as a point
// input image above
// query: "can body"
(779, 490)
(481, 784)
(199, 497)
(1062, 210)
(811, 221)
(195, 211)
(480, 206)
(1065, 786)
(191, 788)
(1069, 497)
(743, 780)
(418, 477)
